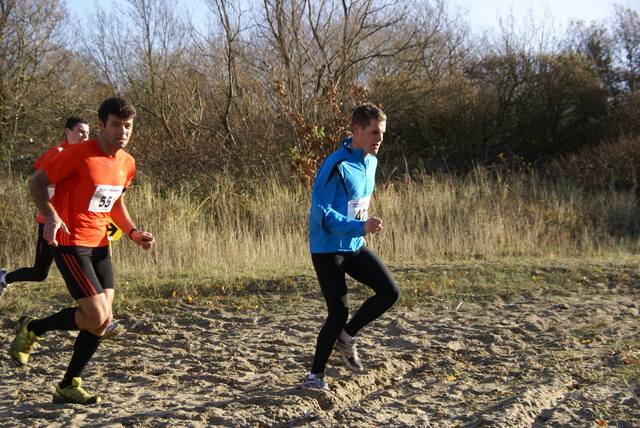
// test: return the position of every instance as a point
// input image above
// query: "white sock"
(345, 337)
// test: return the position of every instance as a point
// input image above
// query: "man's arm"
(325, 190)
(121, 217)
(40, 195)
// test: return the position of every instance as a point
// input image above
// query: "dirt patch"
(556, 359)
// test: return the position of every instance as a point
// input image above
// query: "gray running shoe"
(316, 381)
(349, 354)
(3, 284)
(112, 331)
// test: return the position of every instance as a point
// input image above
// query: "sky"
(486, 13)
(482, 13)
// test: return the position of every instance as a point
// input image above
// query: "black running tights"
(364, 266)
(40, 269)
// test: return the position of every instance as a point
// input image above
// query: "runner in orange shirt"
(90, 180)
(76, 130)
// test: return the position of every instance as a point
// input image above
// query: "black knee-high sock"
(84, 348)
(63, 320)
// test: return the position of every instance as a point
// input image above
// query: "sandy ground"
(554, 359)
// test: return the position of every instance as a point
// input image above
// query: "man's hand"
(144, 239)
(50, 229)
(373, 225)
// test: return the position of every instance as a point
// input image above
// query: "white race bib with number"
(357, 208)
(104, 197)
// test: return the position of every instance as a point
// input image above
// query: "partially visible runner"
(76, 130)
(90, 180)
(337, 225)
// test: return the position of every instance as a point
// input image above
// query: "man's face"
(116, 132)
(369, 138)
(78, 134)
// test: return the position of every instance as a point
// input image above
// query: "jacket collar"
(356, 153)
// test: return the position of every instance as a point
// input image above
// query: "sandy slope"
(527, 362)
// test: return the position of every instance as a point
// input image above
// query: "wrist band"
(135, 229)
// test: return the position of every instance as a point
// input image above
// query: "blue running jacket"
(340, 200)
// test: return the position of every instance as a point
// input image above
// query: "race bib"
(357, 208)
(104, 197)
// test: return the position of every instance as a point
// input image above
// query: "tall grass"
(492, 216)
(234, 230)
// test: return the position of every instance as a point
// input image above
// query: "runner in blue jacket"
(338, 223)
(338, 212)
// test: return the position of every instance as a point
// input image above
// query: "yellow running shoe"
(74, 394)
(21, 345)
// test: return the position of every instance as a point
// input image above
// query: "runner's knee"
(40, 276)
(391, 294)
(338, 315)
(95, 319)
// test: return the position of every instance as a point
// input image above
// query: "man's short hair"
(364, 113)
(118, 107)
(74, 120)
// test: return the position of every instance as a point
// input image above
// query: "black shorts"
(87, 271)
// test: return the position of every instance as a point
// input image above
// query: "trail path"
(554, 360)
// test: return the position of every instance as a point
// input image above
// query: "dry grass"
(235, 243)
(234, 229)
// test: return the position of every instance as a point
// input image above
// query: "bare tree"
(159, 38)
(262, 84)
(223, 49)
(626, 37)
(424, 86)
(29, 43)
(32, 45)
